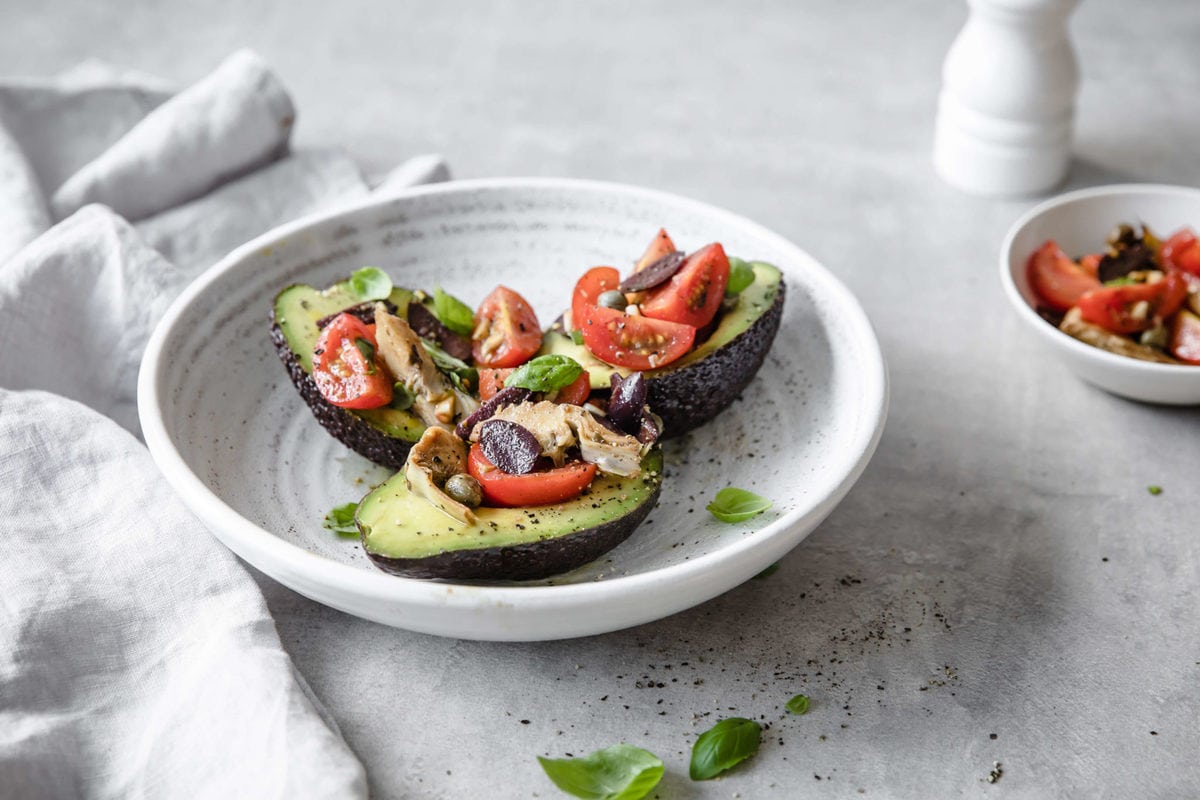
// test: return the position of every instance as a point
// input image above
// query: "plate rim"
(366, 585)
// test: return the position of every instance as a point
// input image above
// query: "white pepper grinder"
(1008, 99)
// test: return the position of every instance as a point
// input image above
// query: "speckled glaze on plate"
(239, 445)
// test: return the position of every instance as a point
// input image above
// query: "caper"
(612, 299)
(464, 489)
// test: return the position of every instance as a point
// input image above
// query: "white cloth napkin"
(137, 657)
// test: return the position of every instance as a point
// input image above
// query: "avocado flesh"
(294, 331)
(692, 390)
(406, 535)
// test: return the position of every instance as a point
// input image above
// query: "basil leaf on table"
(370, 283)
(741, 275)
(798, 704)
(725, 744)
(341, 521)
(453, 313)
(620, 772)
(737, 505)
(545, 374)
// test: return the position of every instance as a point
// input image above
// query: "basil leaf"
(741, 275)
(620, 772)
(737, 505)
(402, 398)
(577, 337)
(453, 313)
(725, 744)
(341, 521)
(451, 365)
(768, 572)
(1124, 280)
(798, 704)
(1154, 490)
(370, 283)
(545, 373)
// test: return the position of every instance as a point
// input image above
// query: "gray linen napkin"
(138, 657)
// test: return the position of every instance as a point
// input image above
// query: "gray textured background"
(1000, 568)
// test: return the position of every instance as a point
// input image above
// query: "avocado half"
(406, 535)
(691, 391)
(384, 435)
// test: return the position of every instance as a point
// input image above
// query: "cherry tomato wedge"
(1091, 264)
(694, 293)
(1133, 307)
(1058, 281)
(576, 393)
(595, 282)
(660, 246)
(1184, 342)
(634, 341)
(556, 485)
(492, 381)
(1182, 251)
(346, 369)
(506, 330)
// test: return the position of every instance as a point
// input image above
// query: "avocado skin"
(341, 424)
(522, 562)
(689, 397)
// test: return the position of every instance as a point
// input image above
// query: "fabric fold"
(237, 118)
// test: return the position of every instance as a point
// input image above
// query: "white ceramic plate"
(1080, 221)
(241, 448)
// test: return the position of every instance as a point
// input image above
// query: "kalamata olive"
(427, 326)
(657, 273)
(510, 395)
(626, 401)
(465, 489)
(509, 446)
(612, 299)
(651, 428)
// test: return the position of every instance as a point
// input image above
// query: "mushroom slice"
(438, 455)
(434, 399)
(560, 426)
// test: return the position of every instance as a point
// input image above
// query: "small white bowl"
(1079, 222)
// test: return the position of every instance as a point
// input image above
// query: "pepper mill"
(1008, 99)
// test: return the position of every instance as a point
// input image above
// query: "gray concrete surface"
(1000, 586)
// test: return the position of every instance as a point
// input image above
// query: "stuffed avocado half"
(693, 389)
(383, 435)
(405, 534)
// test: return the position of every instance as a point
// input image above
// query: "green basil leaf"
(741, 275)
(545, 373)
(402, 397)
(798, 704)
(725, 744)
(371, 283)
(620, 772)
(1154, 490)
(341, 521)
(737, 505)
(453, 313)
(768, 572)
(577, 337)
(451, 365)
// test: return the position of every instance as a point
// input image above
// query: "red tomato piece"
(1184, 342)
(556, 485)
(636, 342)
(1058, 281)
(1182, 251)
(1133, 307)
(595, 282)
(694, 293)
(1091, 264)
(492, 381)
(346, 369)
(660, 246)
(506, 332)
(576, 393)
